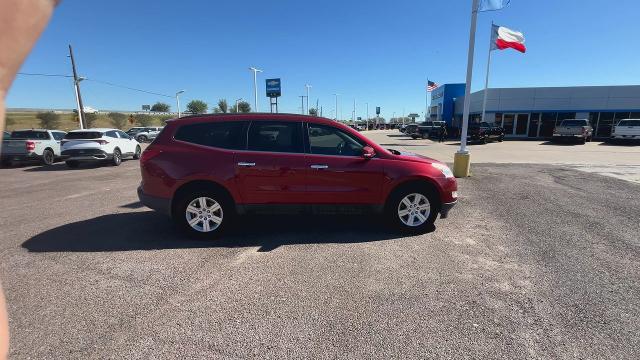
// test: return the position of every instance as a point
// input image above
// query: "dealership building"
(534, 112)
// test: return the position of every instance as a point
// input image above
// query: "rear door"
(272, 169)
(337, 173)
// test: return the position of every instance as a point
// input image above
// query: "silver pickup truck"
(573, 129)
(31, 144)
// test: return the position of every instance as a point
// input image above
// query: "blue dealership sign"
(273, 88)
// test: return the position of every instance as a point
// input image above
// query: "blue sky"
(378, 52)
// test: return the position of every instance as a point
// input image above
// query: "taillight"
(31, 146)
(149, 154)
(102, 142)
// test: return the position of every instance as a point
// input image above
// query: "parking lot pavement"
(535, 262)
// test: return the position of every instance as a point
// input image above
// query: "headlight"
(444, 169)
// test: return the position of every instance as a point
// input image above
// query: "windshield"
(83, 135)
(30, 135)
(629, 123)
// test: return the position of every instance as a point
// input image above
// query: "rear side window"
(83, 135)
(629, 123)
(58, 135)
(112, 134)
(276, 136)
(226, 135)
(30, 134)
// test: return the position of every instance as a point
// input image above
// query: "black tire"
(6, 163)
(72, 164)
(583, 141)
(484, 140)
(116, 160)
(393, 206)
(226, 213)
(142, 138)
(136, 155)
(47, 157)
(501, 138)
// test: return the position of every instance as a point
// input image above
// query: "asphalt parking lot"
(537, 261)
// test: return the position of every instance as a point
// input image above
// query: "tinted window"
(629, 123)
(83, 135)
(122, 134)
(574, 123)
(58, 135)
(276, 136)
(30, 134)
(327, 140)
(226, 135)
(112, 134)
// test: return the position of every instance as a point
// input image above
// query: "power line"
(129, 88)
(39, 74)
(98, 81)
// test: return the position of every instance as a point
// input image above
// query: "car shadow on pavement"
(63, 167)
(148, 230)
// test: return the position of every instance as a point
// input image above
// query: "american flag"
(431, 85)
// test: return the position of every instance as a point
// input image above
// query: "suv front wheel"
(203, 214)
(413, 209)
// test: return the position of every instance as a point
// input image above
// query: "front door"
(337, 172)
(273, 168)
(515, 124)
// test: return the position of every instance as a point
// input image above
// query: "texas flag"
(503, 38)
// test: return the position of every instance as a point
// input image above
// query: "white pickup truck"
(626, 129)
(576, 129)
(32, 144)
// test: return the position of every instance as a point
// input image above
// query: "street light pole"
(178, 101)
(302, 105)
(255, 86)
(308, 87)
(367, 116)
(76, 84)
(237, 101)
(336, 95)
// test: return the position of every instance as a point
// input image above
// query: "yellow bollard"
(462, 164)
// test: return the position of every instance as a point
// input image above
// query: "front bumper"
(158, 204)
(444, 210)
(85, 154)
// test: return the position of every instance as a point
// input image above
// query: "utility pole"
(76, 83)
(336, 95)
(355, 116)
(178, 101)
(302, 100)
(255, 87)
(367, 116)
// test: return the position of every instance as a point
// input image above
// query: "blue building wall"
(443, 98)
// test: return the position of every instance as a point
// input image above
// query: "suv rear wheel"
(203, 214)
(117, 157)
(142, 138)
(47, 157)
(413, 209)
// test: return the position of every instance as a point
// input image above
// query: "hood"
(409, 156)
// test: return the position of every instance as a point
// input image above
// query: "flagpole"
(462, 158)
(486, 80)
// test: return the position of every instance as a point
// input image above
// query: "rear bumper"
(444, 210)
(21, 157)
(85, 154)
(158, 204)
(569, 136)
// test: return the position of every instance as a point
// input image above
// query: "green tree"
(197, 107)
(119, 120)
(313, 112)
(244, 107)
(90, 119)
(222, 107)
(143, 119)
(48, 120)
(160, 107)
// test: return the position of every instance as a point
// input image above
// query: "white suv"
(98, 144)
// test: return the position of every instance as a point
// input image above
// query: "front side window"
(276, 136)
(327, 140)
(122, 134)
(225, 135)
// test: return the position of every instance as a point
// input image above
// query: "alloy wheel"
(204, 214)
(414, 209)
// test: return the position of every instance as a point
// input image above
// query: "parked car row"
(74, 147)
(144, 134)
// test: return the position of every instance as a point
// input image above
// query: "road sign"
(273, 88)
(146, 107)
(359, 118)
(377, 110)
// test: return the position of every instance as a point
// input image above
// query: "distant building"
(534, 112)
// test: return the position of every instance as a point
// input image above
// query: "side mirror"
(368, 152)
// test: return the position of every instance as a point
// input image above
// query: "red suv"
(205, 170)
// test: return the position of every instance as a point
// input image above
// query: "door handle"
(318, 166)
(247, 164)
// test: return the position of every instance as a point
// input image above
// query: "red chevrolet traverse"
(205, 170)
